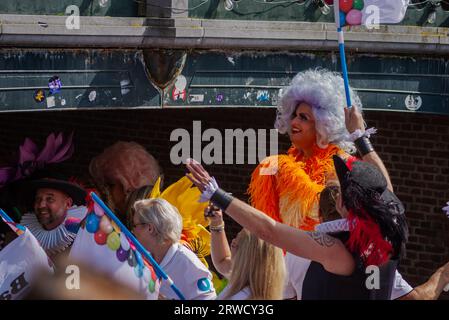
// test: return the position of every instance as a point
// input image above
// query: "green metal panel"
(280, 10)
(254, 79)
(96, 78)
(117, 79)
(113, 8)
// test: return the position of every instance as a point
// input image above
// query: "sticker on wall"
(179, 95)
(39, 96)
(103, 3)
(54, 84)
(413, 102)
(179, 90)
(263, 96)
(51, 102)
(281, 92)
(196, 97)
(219, 97)
(124, 87)
(92, 96)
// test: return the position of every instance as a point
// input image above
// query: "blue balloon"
(342, 19)
(138, 271)
(92, 223)
(139, 258)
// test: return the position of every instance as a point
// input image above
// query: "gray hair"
(324, 91)
(163, 216)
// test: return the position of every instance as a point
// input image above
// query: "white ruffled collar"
(333, 226)
(60, 238)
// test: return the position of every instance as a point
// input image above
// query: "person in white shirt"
(297, 267)
(158, 225)
(255, 268)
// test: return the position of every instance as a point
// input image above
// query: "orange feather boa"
(287, 187)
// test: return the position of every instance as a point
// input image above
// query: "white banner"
(390, 11)
(113, 255)
(370, 13)
(19, 262)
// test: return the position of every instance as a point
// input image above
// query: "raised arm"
(354, 121)
(220, 251)
(324, 249)
(315, 246)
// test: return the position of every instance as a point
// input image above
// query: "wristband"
(221, 199)
(219, 228)
(209, 190)
(359, 133)
(363, 145)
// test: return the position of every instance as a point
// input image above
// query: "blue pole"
(10, 221)
(139, 246)
(341, 46)
(5, 216)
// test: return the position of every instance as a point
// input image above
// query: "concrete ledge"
(187, 33)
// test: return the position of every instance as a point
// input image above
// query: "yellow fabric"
(156, 191)
(219, 284)
(184, 197)
(287, 187)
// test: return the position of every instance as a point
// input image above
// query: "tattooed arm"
(319, 247)
(330, 252)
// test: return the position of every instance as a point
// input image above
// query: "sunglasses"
(134, 225)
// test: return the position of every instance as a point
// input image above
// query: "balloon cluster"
(350, 11)
(104, 233)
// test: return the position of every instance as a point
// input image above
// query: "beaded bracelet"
(219, 228)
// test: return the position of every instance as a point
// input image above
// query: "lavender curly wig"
(324, 91)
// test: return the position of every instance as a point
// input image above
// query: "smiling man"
(58, 210)
(50, 207)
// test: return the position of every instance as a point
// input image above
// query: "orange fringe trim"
(291, 193)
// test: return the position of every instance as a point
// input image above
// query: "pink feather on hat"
(56, 150)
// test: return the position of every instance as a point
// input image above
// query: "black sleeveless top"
(320, 284)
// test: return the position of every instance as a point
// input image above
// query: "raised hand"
(354, 120)
(213, 213)
(198, 175)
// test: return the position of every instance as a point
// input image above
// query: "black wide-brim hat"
(74, 191)
(366, 176)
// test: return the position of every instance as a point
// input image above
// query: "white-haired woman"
(312, 112)
(158, 225)
(255, 268)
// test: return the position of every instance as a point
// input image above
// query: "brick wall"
(414, 147)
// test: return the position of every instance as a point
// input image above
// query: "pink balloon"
(354, 17)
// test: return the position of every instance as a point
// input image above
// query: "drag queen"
(311, 111)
